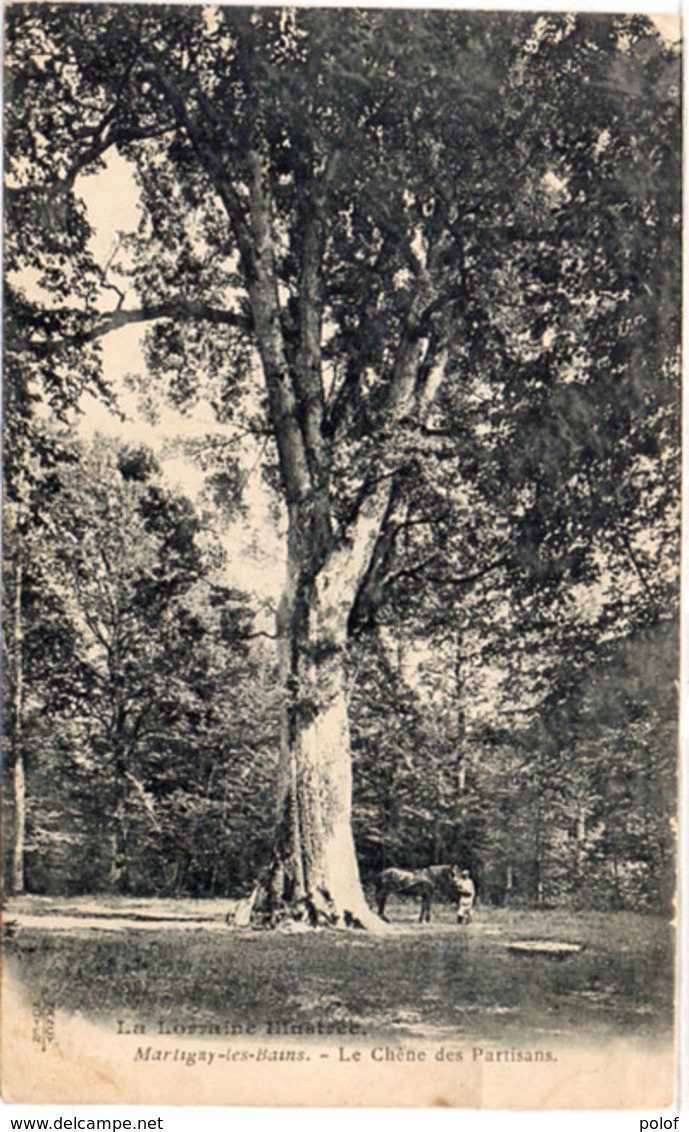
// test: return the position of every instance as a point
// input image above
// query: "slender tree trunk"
(18, 878)
(119, 854)
(18, 855)
(509, 882)
(119, 874)
(580, 836)
(616, 880)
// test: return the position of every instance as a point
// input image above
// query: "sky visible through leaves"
(254, 544)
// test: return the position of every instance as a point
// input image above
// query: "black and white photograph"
(341, 556)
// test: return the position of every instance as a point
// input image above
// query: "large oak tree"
(448, 243)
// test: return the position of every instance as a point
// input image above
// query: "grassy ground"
(419, 980)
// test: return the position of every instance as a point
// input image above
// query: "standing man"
(466, 892)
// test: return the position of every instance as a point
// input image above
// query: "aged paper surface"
(83, 1064)
(65, 1041)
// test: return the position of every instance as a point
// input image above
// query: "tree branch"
(343, 398)
(252, 228)
(210, 159)
(180, 309)
(446, 580)
(307, 371)
(145, 799)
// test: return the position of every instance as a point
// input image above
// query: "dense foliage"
(457, 272)
(148, 723)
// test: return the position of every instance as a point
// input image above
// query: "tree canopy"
(508, 231)
(448, 243)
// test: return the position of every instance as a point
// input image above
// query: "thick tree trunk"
(314, 876)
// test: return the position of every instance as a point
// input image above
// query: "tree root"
(272, 906)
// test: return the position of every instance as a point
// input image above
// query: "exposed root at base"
(263, 909)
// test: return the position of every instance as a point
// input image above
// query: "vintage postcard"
(340, 556)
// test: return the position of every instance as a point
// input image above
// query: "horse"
(414, 882)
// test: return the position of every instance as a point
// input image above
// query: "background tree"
(37, 641)
(405, 788)
(128, 652)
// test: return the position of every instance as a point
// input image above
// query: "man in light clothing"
(466, 891)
